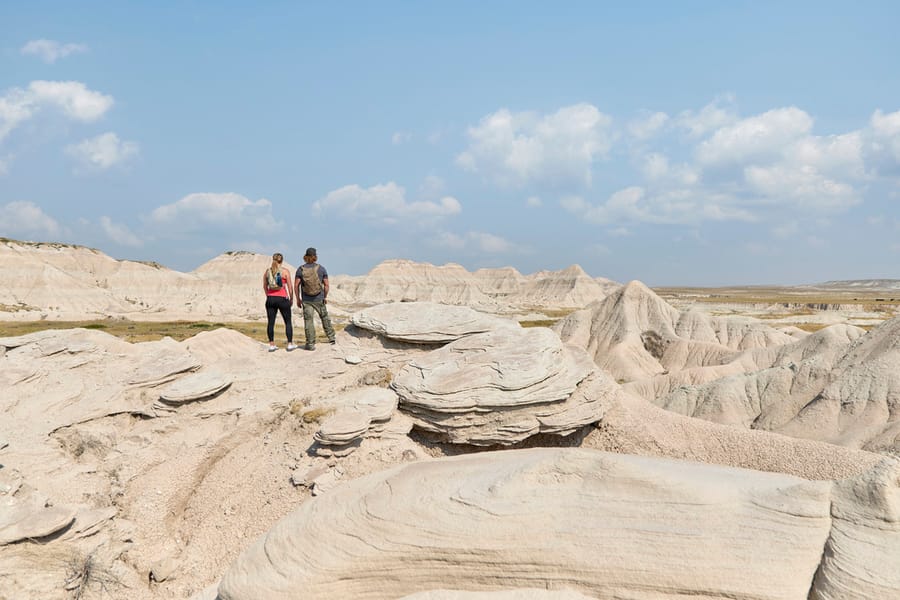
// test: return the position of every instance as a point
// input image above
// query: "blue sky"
(679, 143)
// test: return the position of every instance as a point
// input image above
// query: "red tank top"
(286, 281)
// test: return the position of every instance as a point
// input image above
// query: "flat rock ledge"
(193, 387)
(598, 524)
(426, 322)
(360, 413)
(503, 386)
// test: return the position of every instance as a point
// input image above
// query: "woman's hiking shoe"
(290, 347)
(272, 347)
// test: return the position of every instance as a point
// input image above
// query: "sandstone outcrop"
(501, 387)
(622, 526)
(425, 322)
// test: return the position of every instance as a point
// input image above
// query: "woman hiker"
(276, 284)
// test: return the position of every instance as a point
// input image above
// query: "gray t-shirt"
(323, 275)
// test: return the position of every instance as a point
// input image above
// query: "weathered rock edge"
(601, 524)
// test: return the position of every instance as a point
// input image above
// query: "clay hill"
(438, 452)
(62, 282)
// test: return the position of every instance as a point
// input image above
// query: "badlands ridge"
(439, 450)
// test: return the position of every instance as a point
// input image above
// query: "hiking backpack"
(274, 280)
(309, 278)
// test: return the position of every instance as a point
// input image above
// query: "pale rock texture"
(862, 556)
(521, 594)
(425, 322)
(363, 412)
(634, 334)
(501, 387)
(621, 527)
(837, 385)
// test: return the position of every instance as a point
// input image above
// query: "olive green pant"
(309, 324)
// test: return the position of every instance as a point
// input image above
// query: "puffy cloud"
(103, 151)
(385, 204)
(476, 241)
(73, 98)
(119, 233)
(647, 126)
(533, 201)
(760, 137)
(883, 142)
(50, 50)
(804, 186)
(217, 211)
(22, 219)
(711, 117)
(677, 206)
(513, 149)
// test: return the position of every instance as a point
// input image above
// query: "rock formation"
(621, 526)
(425, 322)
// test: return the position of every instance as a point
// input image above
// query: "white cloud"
(385, 204)
(760, 137)
(619, 232)
(73, 98)
(20, 219)
(119, 233)
(476, 241)
(513, 149)
(804, 186)
(103, 151)
(50, 50)
(647, 126)
(533, 201)
(401, 137)
(432, 187)
(216, 211)
(883, 142)
(677, 206)
(711, 117)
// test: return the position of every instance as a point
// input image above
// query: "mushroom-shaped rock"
(195, 386)
(603, 525)
(163, 366)
(360, 413)
(501, 387)
(426, 322)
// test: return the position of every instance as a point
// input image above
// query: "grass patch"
(136, 331)
(538, 323)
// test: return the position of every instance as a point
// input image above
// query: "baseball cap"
(311, 252)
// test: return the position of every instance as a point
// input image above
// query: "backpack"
(309, 278)
(274, 280)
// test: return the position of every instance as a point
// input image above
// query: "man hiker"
(311, 291)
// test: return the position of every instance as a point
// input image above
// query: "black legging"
(274, 305)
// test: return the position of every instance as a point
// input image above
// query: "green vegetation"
(135, 331)
(538, 323)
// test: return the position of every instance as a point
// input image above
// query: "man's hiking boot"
(332, 342)
(309, 347)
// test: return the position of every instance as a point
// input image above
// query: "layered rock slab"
(501, 387)
(604, 525)
(425, 322)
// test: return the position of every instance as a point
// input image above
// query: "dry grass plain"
(787, 306)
